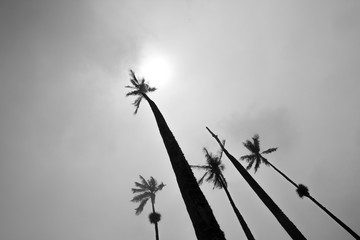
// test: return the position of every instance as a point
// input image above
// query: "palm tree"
(285, 222)
(147, 190)
(201, 215)
(214, 168)
(256, 156)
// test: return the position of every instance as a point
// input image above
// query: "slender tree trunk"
(347, 228)
(282, 174)
(156, 223)
(201, 215)
(285, 222)
(238, 214)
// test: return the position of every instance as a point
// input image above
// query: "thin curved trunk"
(285, 222)
(156, 223)
(347, 228)
(201, 215)
(238, 214)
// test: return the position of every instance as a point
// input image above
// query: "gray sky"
(71, 148)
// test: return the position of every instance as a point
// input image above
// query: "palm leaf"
(132, 93)
(143, 186)
(270, 150)
(251, 162)
(249, 145)
(158, 188)
(141, 197)
(257, 164)
(136, 190)
(201, 180)
(247, 157)
(140, 208)
(256, 142)
(144, 182)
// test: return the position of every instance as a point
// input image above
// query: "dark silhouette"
(201, 215)
(146, 190)
(255, 156)
(285, 222)
(302, 190)
(214, 168)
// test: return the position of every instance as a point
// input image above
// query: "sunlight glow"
(156, 69)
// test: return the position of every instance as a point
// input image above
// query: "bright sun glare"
(156, 69)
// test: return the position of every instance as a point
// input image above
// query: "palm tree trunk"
(285, 222)
(348, 229)
(156, 223)
(282, 174)
(334, 217)
(238, 214)
(201, 215)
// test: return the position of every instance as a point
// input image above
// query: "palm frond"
(201, 180)
(144, 182)
(264, 160)
(136, 103)
(132, 93)
(217, 182)
(249, 145)
(270, 150)
(137, 190)
(207, 154)
(151, 89)
(200, 166)
(256, 142)
(140, 197)
(159, 187)
(152, 183)
(251, 162)
(142, 186)
(248, 157)
(257, 164)
(140, 208)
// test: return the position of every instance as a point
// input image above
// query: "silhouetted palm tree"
(201, 215)
(302, 190)
(285, 222)
(214, 168)
(256, 156)
(146, 190)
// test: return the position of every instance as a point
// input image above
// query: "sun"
(156, 69)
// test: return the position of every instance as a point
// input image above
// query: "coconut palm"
(285, 222)
(147, 189)
(213, 171)
(201, 215)
(256, 157)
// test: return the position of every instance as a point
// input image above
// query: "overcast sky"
(71, 148)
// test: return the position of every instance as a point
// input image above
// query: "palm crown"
(147, 190)
(255, 156)
(140, 87)
(213, 168)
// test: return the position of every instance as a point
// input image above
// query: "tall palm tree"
(213, 171)
(285, 222)
(146, 189)
(201, 215)
(256, 156)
